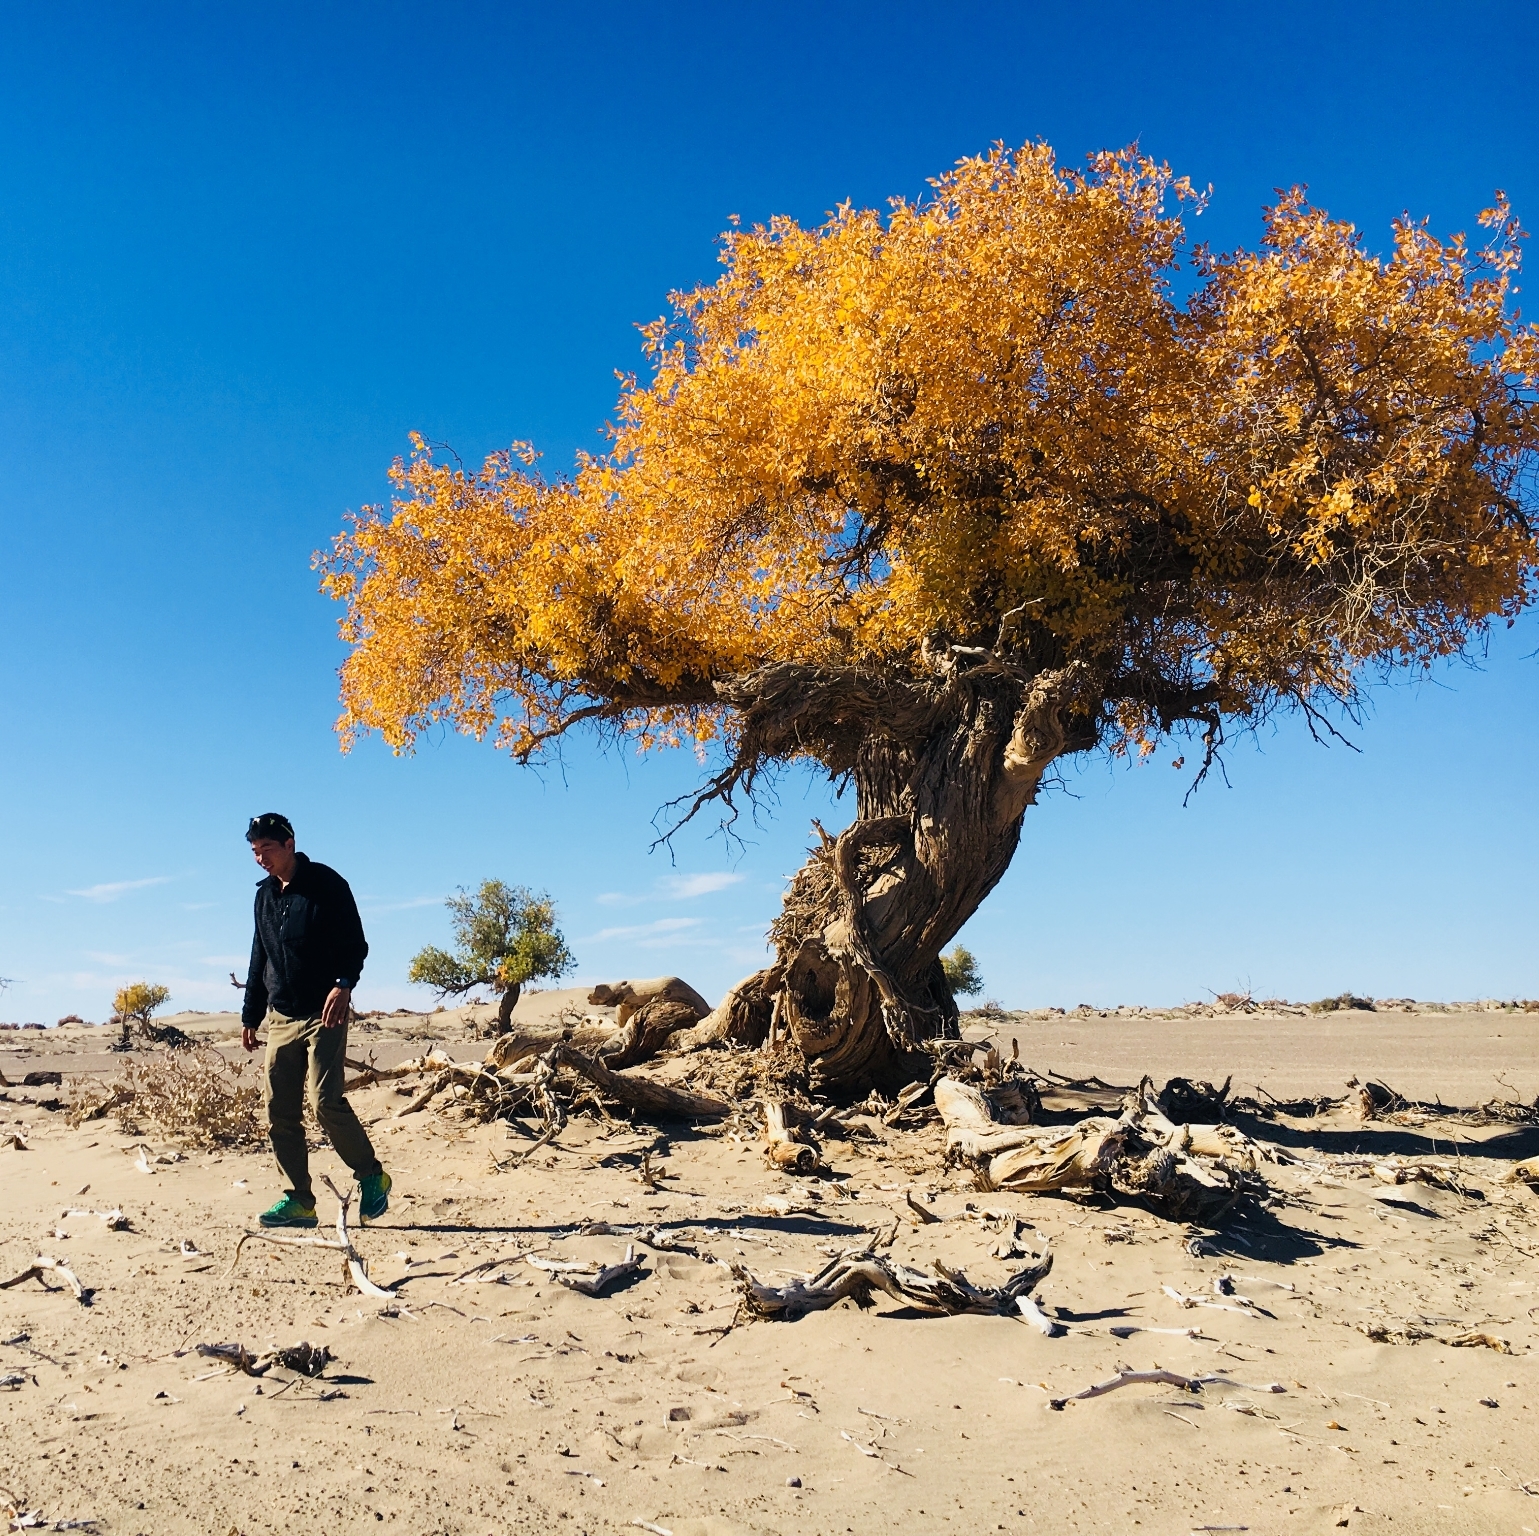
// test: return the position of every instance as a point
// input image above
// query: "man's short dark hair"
(270, 824)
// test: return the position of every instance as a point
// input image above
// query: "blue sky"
(244, 251)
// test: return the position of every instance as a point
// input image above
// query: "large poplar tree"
(935, 498)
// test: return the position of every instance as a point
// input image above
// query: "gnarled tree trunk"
(506, 1006)
(943, 769)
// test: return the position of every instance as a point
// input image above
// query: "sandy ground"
(520, 1405)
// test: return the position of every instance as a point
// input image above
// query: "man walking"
(306, 957)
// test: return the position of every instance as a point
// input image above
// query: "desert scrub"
(1344, 1000)
(196, 1096)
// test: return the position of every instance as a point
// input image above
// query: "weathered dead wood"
(785, 1149)
(858, 1272)
(342, 1243)
(742, 1017)
(1193, 1384)
(1147, 1110)
(355, 1261)
(1526, 1172)
(308, 1359)
(1183, 1100)
(1180, 1188)
(638, 1092)
(40, 1268)
(1026, 1158)
(644, 1032)
(1045, 1325)
(495, 1092)
(584, 1277)
(924, 1213)
(517, 1051)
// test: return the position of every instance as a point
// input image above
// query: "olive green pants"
(300, 1056)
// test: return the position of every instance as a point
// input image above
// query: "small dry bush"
(196, 1096)
(1344, 1000)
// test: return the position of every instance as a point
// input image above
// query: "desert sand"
(508, 1402)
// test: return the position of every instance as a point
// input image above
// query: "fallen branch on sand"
(638, 1092)
(40, 1268)
(308, 1359)
(858, 1272)
(342, 1243)
(585, 1277)
(1193, 1384)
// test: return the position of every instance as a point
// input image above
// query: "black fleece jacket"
(309, 939)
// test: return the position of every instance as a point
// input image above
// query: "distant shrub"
(132, 1007)
(961, 968)
(1345, 1000)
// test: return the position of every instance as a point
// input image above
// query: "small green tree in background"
(961, 968)
(504, 936)
(134, 1004)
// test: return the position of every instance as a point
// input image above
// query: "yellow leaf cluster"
(1012, 416)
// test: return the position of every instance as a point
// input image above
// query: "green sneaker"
(290, 1211)
(374, 1195)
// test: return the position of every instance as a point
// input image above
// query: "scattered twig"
(40, 1268)
(1192, 1384)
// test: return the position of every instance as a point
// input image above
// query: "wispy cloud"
(664, 925)
(223, 960)
(370, 905)
(115, 888)
(673, 888)
(683, 887)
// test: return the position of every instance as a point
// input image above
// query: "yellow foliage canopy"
(988, 419)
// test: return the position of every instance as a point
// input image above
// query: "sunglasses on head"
(269, 825)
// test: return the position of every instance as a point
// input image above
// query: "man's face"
(275, 857)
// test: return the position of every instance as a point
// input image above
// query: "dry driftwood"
(1180, 1188)
(784, 1149)
(584, 1277)
(742, 1017)
(1020, 1157)
(860, 1271)
(518, 1051)
(1159, 1378)
(40, 1268)
(306, 1358)
(341, 1243)
(638, 1092)
(1526, 1172)
(646, 1030)
(628, 998)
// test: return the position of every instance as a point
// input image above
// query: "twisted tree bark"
(943, 769)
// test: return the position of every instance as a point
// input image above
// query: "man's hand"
(248, 1038)
(338, 1005)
